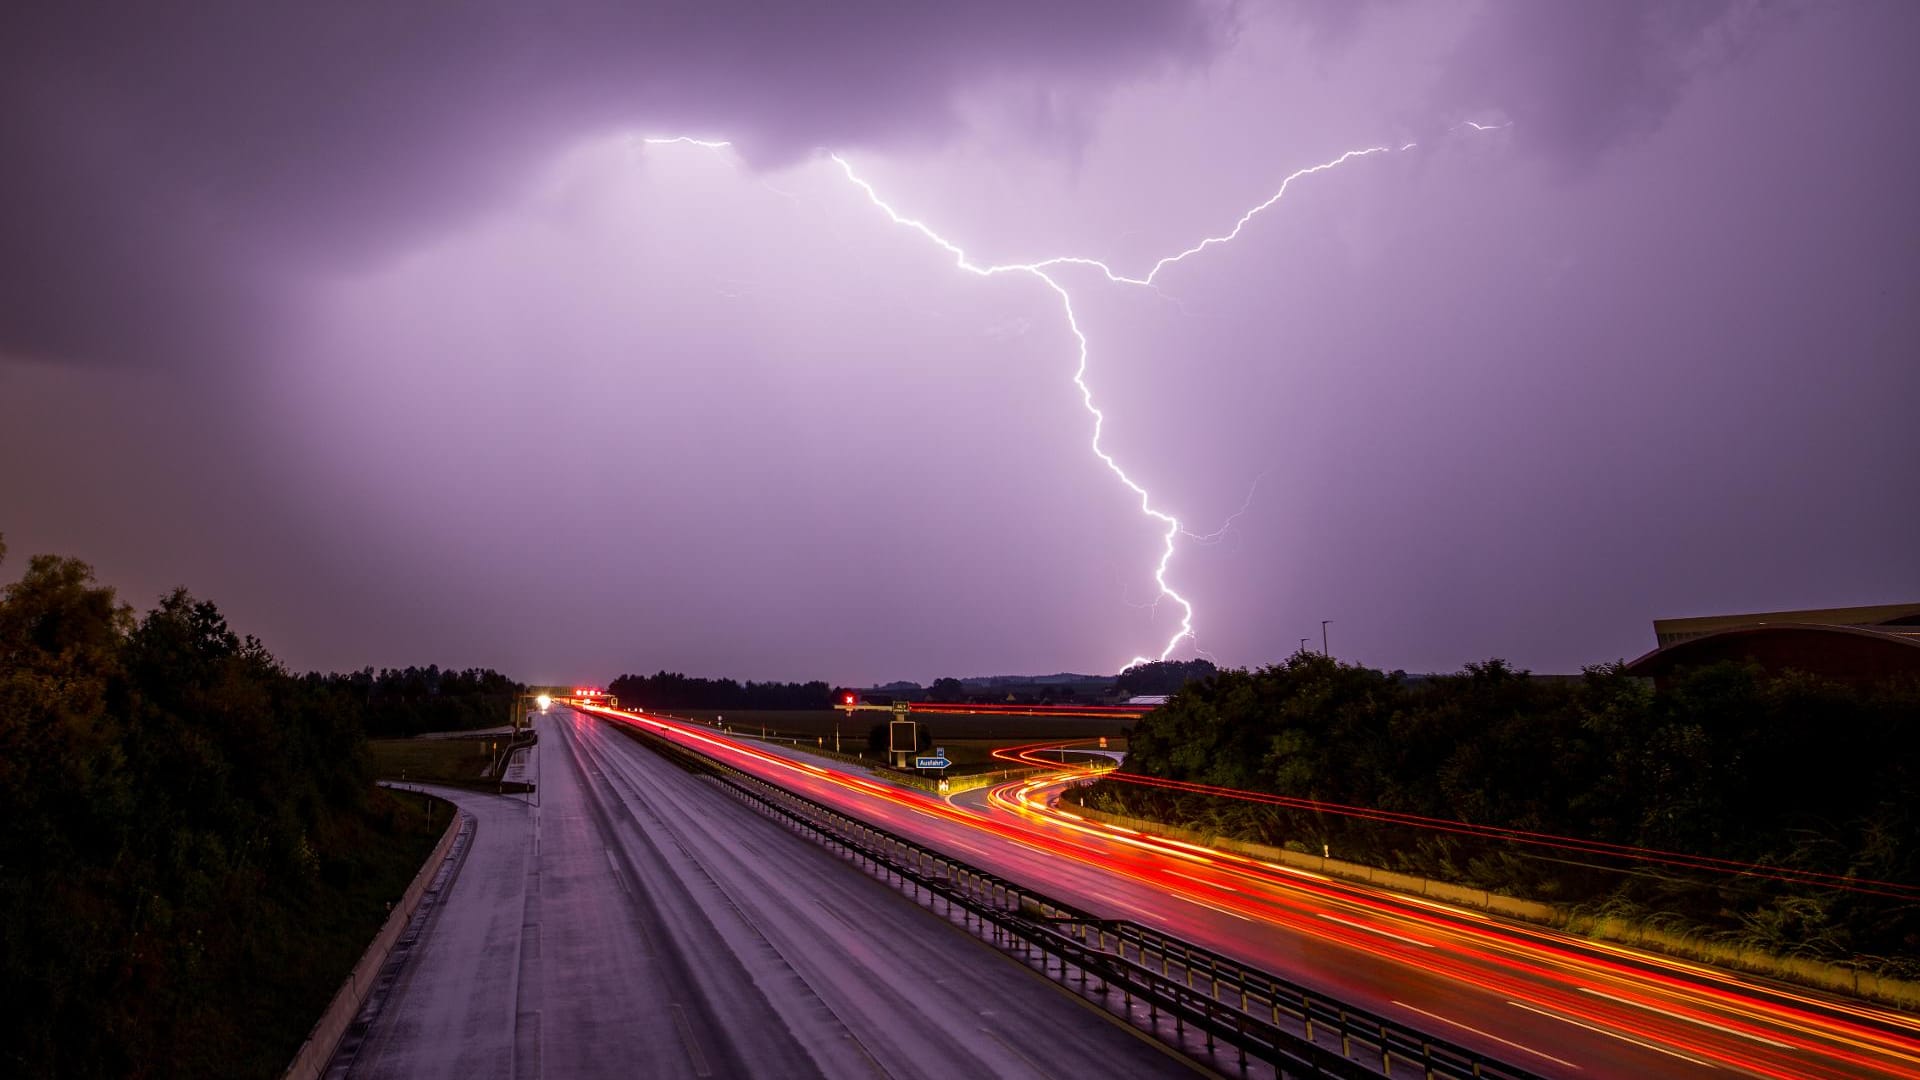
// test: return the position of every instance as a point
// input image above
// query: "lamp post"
(1323, 637)
(1303, 644)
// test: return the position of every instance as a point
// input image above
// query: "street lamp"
(1323, 637)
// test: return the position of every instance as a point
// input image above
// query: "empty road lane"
(635, 921)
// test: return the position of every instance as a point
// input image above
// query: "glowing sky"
(386, 330)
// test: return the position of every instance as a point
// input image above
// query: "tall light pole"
(1303, 644)
(1323, 637)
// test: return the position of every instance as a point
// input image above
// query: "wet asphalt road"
(634, 921)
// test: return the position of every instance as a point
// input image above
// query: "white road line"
(1009, 1048)
(1688, 1019)
(1204, 881)
(694, 1055)
(1487, 1035)
(617, 875)
(1656, 1047)
(1375, 930)
(1216, 907)
(1136, 909)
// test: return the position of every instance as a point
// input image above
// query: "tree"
(1164, 676)
(673, 690)
(947, 690)
(192, 840)
(1725, 760)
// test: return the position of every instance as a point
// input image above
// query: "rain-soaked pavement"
(630, 920)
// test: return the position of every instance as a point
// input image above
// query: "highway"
(1543, 1001)
(631, 920)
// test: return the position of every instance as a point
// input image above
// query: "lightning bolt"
(688, 140)
(1042, 271)
(1220, 533)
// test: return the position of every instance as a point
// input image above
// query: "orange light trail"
(1516, 941)
(1711, 1017)
(1869, 886)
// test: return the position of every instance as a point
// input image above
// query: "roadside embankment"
(310, 1062)
(454, 759)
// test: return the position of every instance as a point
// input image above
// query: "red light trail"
(1680, 860)
(1597, 999)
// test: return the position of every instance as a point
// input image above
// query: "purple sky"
(383, 329)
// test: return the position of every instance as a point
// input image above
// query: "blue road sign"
(931, 763)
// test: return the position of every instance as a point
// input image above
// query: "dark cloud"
(1495, 412)
(173, 169)
(1580, 78)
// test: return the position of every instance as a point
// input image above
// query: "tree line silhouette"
(672, 690)
(1726, 761)
(194, 854)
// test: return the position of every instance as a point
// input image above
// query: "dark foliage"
(193, 855)
(671, 690)
(947, 690)
(409, 701)
(1164, 676)
(1724, 761)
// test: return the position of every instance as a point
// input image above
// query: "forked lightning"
(1173, 530)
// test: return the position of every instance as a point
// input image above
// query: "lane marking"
(1204, 881)
(686, 1038)
(1375, 930)
(617, 875)
(1527, 936)
(1216, 907)
(1656, 1047)
(842, 919)
(1008, 1047)
(1486, 1034)
(1688, 1019)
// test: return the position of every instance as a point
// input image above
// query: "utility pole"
(1323, 637)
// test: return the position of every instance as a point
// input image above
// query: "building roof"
(1672, 631)
(1858, 644)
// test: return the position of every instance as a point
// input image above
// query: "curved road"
(1543, 1001)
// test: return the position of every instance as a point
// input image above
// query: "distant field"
(968, 751)
(951, 727)
(968, 740)
(456, 760)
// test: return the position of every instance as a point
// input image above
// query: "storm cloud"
(174, 170)
(378, 325)
(176, 173)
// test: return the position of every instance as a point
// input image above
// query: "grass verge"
(435, 761)
(295, 960)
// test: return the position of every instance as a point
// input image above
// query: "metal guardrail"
(1216, 1010)
(806, 744)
